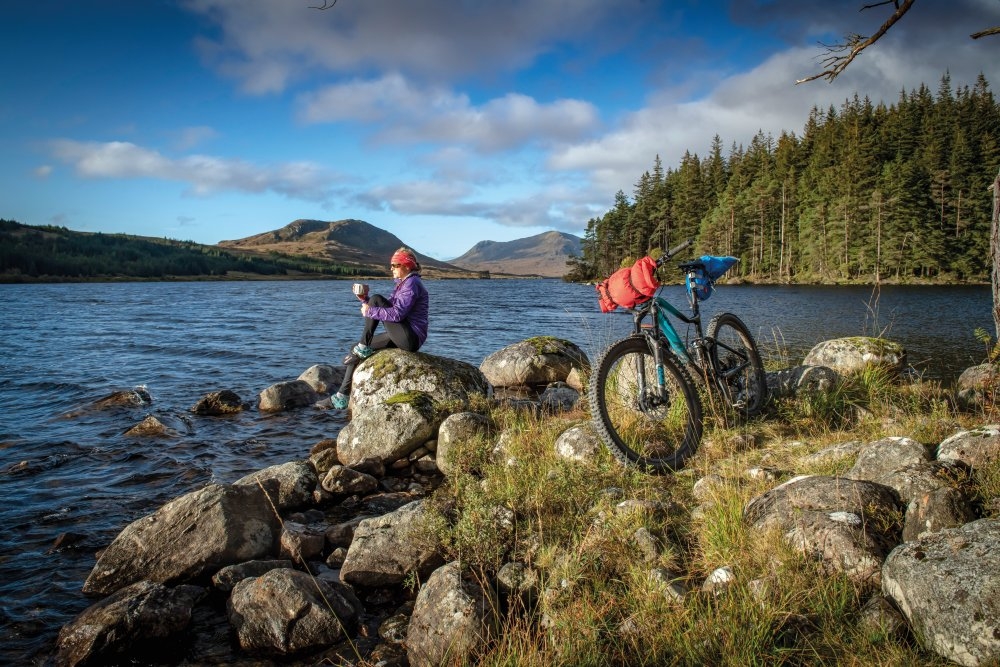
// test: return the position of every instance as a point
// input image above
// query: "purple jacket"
(410, 303)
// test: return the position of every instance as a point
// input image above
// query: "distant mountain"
(348, 242)
(541, 255)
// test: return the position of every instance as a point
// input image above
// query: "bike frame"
(658, 308)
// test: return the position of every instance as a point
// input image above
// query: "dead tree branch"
(854, 44)
(985, 33)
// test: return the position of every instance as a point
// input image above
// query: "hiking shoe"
(339, 401)
(358, 354)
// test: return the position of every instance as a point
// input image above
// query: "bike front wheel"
(644, 422)
(739, 370)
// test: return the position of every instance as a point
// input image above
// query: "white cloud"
(43, 171)
(408, 114)
(420, 198)
(203, 174)
(764, 98)
(556, 207)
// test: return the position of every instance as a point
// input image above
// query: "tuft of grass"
(985, 489)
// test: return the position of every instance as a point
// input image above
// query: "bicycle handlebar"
(673, 251)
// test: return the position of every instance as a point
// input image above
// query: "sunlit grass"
(603, 599)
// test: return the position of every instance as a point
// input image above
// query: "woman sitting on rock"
(403, 315)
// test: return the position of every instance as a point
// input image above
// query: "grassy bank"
(602, 598)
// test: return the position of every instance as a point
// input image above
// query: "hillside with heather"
(55, 254)
(352, 243)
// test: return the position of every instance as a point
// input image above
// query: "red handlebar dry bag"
(628, 287)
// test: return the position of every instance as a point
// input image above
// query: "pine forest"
(867, 193)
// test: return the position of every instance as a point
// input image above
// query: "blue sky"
(445, 122)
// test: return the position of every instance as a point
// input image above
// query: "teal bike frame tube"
(668, 329)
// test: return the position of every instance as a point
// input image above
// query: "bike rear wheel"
(641, 423)
(740, 370)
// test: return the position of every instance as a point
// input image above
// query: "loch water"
(68, 471)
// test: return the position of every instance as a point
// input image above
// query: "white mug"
(360, 289)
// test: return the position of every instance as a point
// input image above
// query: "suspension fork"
(661, 375)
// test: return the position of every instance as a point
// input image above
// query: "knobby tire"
(644, 428)
(745, 389)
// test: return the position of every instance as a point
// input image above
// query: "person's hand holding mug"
(360, 291)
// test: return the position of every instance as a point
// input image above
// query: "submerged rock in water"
(150, 426)
(287, 396)
(217, 403)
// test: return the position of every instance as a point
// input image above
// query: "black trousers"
(396, 334)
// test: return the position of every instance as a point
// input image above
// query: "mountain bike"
(644, 402)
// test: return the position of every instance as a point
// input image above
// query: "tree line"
(47, 252)
(868, 192)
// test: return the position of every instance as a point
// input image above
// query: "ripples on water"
(70, 471)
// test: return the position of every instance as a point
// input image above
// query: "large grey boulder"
(849, 355)
(977, 386)
(453, 617)
(400, 399)
(934, 495)
(800, 380)
(287, 611)
(296, 481)
(341, 480)
(879, 458)
(189, 537)
(287, 396)
(323, 378)
(390, 430)
(126, 620)
(388, 548)
(947, 584)
(536, 361)
(848, 525)
(975, 447)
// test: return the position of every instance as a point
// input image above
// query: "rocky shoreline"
(336, 558)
